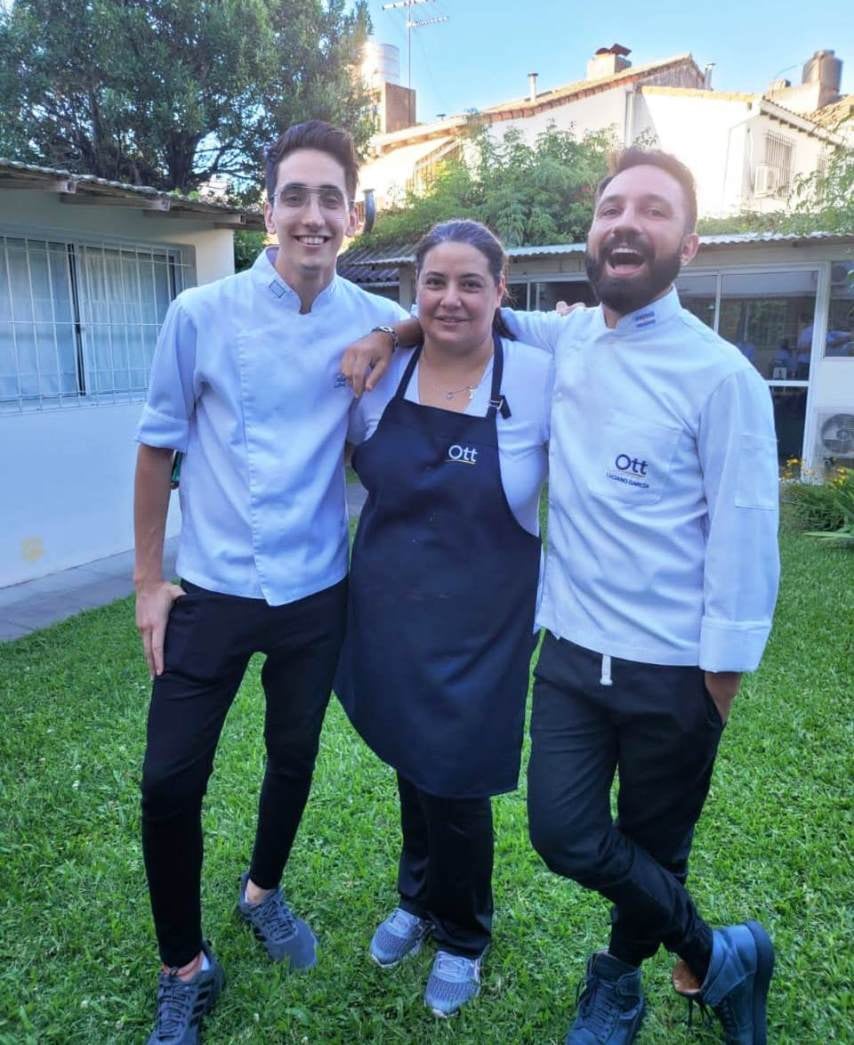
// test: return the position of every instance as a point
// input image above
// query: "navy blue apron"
(435, 667)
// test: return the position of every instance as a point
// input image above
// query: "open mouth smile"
(623, 261)
(312, 241)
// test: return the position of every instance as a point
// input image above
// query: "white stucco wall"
(67, 474)
(722, 140)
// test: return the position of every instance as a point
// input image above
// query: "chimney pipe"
(532, 86)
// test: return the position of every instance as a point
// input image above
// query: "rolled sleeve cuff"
(156, 429)
(732, 645)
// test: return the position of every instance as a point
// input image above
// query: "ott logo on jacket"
(463, 454)
(629, 470)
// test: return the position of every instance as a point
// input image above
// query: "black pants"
(659, 729)
(445, 872)
(209, 640)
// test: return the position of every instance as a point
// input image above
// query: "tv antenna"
(412, 23)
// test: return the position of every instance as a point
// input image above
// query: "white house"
(87, 271)
(787, 301)
(745, 150)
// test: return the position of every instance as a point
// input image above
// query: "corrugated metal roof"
(379, 265)
(92, 186)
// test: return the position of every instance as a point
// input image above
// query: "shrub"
(819, 507)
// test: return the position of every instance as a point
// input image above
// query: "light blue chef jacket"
(663, 490)
(251, 392)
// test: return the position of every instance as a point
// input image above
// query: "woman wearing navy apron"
(452, 449)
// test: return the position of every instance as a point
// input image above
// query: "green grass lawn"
(77, 950)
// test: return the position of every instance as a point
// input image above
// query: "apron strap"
(407, 374)
(497, 402)
(496, 399)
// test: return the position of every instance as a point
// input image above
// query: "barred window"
(79, 321)
(778, 154)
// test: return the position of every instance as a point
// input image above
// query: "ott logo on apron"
(462, 454)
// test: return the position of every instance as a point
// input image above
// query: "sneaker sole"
(762, 980)
(449, 1015)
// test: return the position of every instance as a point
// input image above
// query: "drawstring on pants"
(605, 680)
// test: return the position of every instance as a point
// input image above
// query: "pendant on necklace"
(450, 395)
(471, 392)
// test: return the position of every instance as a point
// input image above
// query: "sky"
(482, 55)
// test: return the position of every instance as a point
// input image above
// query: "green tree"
(527, 193)
(171, 92)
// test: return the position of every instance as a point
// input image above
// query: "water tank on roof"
(824, 68)
(380, 63)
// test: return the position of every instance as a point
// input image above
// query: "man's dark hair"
(313, 134)
(635, 157)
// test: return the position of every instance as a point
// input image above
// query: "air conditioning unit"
(836, 436)
(766, 180)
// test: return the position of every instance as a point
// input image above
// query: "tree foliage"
(171, 92)
(527, 193)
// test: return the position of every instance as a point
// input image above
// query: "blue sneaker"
(275, 925)
(454, 980)
(182, 1004)
(736, 985)
(398, 937)
(611, 1005)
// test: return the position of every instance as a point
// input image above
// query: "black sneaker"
(610, 1003)
(283, 934)
(181, 1004)
(736, 985)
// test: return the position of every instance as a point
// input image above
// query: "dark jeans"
(445, 871)
(659, 729)
(209, 640)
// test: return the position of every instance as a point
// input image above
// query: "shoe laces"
(274, 918)
(454, 967)
(175, 1001)
(597, 1003)
(403, 922)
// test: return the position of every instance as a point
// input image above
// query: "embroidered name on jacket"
(630, 471)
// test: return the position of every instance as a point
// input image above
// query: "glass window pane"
(790, 405)
(840, 323)
(769, 316)
(697, 294)
(570, 291)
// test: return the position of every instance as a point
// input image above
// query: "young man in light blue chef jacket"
(660, 583)
(246, 384)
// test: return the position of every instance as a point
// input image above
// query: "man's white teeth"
(312, 241)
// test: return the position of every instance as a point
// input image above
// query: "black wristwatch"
(392, 333)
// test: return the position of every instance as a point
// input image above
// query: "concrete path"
(28, 607)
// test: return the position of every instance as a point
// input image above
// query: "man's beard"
(624, 295)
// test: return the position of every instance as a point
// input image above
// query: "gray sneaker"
(283, 934)
(454, 980)
(181, 1004)
(398, 937)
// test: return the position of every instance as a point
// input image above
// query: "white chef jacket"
(251, 391)
(663, 491)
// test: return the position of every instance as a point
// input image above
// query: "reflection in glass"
(697, 294)
(769, 316)
(790, 405)
(570, 291)
(840, 322)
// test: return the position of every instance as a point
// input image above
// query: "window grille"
(778, 154)
(79, 321)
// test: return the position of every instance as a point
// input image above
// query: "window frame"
(181, 268)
